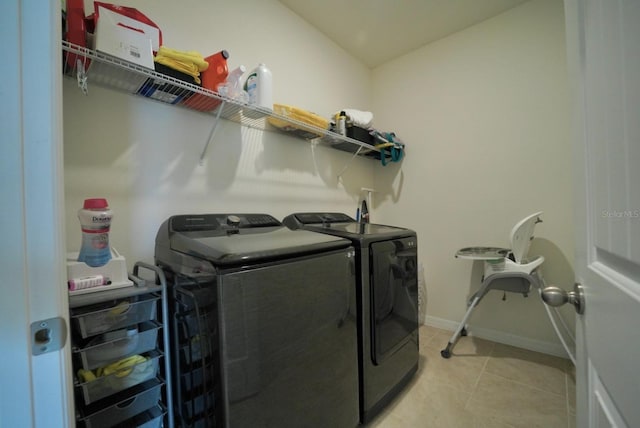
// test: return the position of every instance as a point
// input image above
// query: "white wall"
(485, 115)
(143, 156)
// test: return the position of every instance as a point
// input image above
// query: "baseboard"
(501, 337)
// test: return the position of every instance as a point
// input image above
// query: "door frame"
(32, 257)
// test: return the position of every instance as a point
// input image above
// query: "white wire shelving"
(90, 67)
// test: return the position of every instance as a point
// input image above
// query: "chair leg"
(446, 352)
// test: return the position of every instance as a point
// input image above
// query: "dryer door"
(394, 295)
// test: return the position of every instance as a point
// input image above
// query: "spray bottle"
(232, 87)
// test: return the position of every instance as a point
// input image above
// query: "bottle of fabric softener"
(95, 219)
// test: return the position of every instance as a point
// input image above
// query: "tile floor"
(483, 385)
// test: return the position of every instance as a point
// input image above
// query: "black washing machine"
(263, 323)
(387, 296)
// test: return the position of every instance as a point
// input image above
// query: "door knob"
(556, 296)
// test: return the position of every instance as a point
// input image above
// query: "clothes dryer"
(387, 302)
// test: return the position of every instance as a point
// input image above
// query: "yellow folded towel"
(186, 56)
(188, 62)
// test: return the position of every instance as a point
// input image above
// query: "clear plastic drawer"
(96, 319)
(115, 345)
(198, 406)
(124, 406)
(120, 378)
(197, 350)
(151, 418)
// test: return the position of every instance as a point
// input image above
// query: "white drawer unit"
(119, 359)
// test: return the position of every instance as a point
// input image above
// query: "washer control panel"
(204, 222)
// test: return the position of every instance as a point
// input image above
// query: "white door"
(35, 390)
(603, 38)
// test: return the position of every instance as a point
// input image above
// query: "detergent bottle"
(95, 219)
(217, 71)
(259, 87)
(211, 78)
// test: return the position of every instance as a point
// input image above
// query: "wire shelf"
(90, 67)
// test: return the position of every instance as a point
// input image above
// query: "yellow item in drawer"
(86, 375)
(121, 368)
(120, 308)
(299, 115)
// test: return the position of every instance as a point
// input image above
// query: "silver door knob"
(556, 296)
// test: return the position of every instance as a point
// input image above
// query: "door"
(603, 38)
(35, 389)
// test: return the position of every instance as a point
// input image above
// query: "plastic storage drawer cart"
(119, 361)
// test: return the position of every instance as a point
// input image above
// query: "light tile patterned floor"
(483, 385)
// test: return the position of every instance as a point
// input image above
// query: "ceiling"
(376, 31)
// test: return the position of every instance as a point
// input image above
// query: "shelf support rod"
(212, 133)
(81, 77)
(344, 168)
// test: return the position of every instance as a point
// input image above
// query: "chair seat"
(507, 265)
(514, 282)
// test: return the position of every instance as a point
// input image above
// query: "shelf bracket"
(212, 133)
(344, 168)
(81, 76)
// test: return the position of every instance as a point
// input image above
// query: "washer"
(387, 296)
(263, 322)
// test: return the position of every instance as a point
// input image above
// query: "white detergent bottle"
(259, 88)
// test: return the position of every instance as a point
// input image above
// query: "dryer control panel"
(299, 220)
